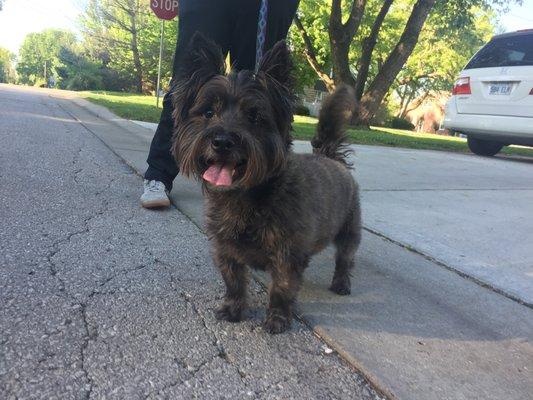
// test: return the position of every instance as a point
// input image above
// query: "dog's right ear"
(201, 61)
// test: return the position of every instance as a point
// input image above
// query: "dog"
(266, 207)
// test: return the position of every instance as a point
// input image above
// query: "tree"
(39, 55)
(7, 71)
(365, 24)
(124, 35)
(77, 72)
(438, 58)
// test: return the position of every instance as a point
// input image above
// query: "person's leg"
(161, 166)
(243, 44)
(280, 16)
(242, 47)
(210, 18)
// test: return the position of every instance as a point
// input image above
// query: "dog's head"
(232, 131)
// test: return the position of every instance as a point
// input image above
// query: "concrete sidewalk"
(414, 327)
(427, 213)
(466, 212)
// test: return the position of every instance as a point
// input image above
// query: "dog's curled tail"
(336, 112)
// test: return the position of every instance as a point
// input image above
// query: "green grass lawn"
(142, 108)
(126, 105)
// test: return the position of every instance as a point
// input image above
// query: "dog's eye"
(209, 114)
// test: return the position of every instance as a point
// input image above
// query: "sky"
(20, 17)
(518, 17)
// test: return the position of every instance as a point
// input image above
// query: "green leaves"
(39, 55)
(119, 50)
(453, 32)
(7, 71)
(78, 72)
(124, 36)
(442, 51)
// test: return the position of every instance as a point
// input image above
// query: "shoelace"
(155, 186)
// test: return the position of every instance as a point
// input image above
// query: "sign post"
(158, 86)
(164, 10)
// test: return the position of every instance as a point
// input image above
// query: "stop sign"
(165, 9)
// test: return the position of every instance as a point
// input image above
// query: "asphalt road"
(102, 299)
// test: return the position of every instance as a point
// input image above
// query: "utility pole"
(45, 74)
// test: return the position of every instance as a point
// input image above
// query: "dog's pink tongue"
(219, 174)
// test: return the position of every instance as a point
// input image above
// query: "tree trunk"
(310, 54)
(136, 57)
(341, 36)
(368, 48)
(372, 99)
(402, 94)
(410, 97)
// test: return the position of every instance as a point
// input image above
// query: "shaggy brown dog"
(267, 207)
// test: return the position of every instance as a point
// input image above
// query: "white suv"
(492, 100)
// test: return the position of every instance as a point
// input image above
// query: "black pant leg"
(280, 16)
(244, 36)
(233, 25)
(211, 18)
(243, 43)
(161, 165)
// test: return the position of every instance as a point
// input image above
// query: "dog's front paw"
(276, 323)
(229, 312)
(341, 287)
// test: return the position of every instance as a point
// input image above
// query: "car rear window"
(504, 52)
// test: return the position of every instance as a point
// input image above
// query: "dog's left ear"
(277, 64)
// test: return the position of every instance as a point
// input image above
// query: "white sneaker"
(155, 195)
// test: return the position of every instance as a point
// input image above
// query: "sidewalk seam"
(463, 275)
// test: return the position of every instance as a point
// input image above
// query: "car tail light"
(462, 86)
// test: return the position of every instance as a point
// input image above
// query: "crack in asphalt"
(192, 371)
(84, 346)
(183, 382)
(58, 246)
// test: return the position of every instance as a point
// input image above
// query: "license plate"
(500, 89)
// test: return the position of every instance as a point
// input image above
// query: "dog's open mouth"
(222, 173)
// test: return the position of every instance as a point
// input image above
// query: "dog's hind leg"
(347, 241)
(235, 277)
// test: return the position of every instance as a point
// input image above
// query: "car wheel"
(483, 147)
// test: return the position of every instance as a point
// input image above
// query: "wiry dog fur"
(278, 208)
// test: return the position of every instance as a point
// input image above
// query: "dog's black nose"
(223, 142)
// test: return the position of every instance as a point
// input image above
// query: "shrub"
(83, 81)
(39, 82)
(383, 117)
(300, 109)
(401, 123)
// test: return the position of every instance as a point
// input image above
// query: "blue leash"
(261, 33)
